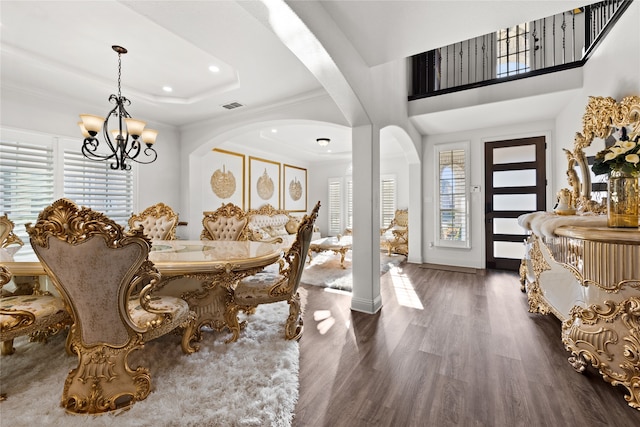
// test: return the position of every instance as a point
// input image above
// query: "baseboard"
(457, 269)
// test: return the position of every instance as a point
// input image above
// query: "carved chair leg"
(7, 348)
(293, 326)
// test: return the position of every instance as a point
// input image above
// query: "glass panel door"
(515, 181)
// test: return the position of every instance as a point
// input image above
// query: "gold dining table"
(202, 272)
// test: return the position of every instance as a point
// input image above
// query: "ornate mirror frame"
(602, 117)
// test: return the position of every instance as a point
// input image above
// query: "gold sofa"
(268, 223)
(96, 266)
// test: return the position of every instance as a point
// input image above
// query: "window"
(341, 202)
(26, 177)
(452, 212)
(387, 199)
(96, 185)
(512, 46)
(36, 169)
(335, 206)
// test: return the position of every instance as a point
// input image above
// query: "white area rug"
(252, 382)
(324, 269)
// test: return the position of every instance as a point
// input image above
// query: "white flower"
(627, 145)
(610, 156)
(632, 158)
(616, 149)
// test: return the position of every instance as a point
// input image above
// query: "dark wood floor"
(470, 355)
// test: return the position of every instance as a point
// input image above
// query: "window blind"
(452, 196)
(350, 204)
(387, 200)
(335, 207)
(96, 185)
(27, 181)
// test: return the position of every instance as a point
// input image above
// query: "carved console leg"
(608, 337)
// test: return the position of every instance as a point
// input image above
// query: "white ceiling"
(63, 49)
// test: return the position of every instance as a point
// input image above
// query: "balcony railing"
(550, 44)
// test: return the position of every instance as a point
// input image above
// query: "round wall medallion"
(223, 183)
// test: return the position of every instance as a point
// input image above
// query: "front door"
(515, 183)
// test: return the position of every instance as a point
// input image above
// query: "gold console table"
(589, 277)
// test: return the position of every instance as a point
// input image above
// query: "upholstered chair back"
(94, 278)
(401, 218)
(228, 222)
(158, 222)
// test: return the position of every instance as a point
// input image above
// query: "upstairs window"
(512, 51)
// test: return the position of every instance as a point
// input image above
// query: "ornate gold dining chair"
(267, 287)
(96, 266)
(158, 222)
(228, 222)
(395, 237)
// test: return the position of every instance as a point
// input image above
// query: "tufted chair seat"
(228, 222)
(158, 222)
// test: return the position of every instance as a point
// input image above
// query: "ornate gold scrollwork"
(535, 295)
(113, 384)
(608, 337)
(601, 115)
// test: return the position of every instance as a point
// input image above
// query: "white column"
(366, 219)
(415, 213)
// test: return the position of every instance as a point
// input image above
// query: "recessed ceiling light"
(274, 130)
(167, 88)
(214, 69)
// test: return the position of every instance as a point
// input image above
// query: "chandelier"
(123, 143)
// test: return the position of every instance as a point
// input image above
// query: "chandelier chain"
(119, 73)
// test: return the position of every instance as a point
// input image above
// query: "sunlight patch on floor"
(405, 293)
(325, 320)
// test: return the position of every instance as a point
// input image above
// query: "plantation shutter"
(27, 181)
(335, 206)
(387, 199)
(452, 195)
(350, 204)
(97, 186)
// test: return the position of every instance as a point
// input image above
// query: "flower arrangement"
(623, 156)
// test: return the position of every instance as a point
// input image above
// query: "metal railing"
(546, 45)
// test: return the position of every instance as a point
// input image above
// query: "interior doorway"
(515, 183)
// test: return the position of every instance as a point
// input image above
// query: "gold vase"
(623, 200)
